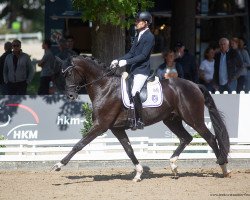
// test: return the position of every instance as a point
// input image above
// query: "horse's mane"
(99, 64)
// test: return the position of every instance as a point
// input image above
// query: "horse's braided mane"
(95, 60)
(98, 63)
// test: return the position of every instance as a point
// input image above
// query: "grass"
(33, 86)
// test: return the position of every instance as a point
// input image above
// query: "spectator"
(64, 54)
(206, 69)
(7, 49)
(47, 65)
(169, 69)
(18, 70)
(227, 67)
(242, 81)
(187, 61)
(71, 44)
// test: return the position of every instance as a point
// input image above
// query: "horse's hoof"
(57, 167)
(175, 177)
(174, 168)
(228, 174)
(136, 180)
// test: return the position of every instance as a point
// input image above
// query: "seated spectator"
(206, 70)
(169, 69)
(187, 61)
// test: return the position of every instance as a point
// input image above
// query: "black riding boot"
(138, 112)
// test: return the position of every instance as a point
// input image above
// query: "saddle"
(144, 91)
(151, 94)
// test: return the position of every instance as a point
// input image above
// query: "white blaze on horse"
(182, 101)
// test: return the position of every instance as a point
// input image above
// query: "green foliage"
(27, 9)
(88, 123)
(33, 86)
(115, 12)
(196, 135)
(2, 138)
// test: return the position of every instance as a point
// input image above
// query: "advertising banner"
(54, 117)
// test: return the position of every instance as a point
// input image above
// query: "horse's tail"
(219, 126)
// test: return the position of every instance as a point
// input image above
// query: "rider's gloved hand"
(114, 63)
(122, 63)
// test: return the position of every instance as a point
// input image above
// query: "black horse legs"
(175, 125)
(121, 135)
(80, 145)
(209, 137)
(123, 138)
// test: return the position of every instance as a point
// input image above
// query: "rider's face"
(140, 24)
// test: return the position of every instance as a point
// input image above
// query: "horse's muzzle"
(72, 96)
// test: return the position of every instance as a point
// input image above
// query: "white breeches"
(139, 80)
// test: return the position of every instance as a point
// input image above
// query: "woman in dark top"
(169, 69)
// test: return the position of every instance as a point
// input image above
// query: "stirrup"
(132, 124)
(140, 124)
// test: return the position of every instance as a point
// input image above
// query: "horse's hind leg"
(175, 125)
(211, 140)
(124, 140)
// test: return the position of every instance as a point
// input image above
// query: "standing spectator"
(169, 69)
(227, 67)
(71, 44)
(242, 81)
(47, 65)
(206, 69)
(187, 61)
(18, 70)
(7, 49)
(64, 54)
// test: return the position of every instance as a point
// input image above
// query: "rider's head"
(143, 20)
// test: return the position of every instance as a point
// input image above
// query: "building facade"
(214, 19)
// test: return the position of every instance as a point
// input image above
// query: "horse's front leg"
(92, 134)
(124, 140)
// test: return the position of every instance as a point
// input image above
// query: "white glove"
(122, 63)
(114, 63)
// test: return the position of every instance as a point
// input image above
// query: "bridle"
(78, 87)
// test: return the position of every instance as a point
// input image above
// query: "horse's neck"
(102, 87)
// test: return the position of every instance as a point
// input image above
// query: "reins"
(78, 87)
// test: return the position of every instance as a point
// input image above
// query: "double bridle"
(78, 87)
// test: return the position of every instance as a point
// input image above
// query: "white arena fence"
(21, 36)
(111, 149)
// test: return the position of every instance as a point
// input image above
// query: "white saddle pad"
(154, 98)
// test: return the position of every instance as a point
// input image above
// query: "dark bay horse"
(182, 101)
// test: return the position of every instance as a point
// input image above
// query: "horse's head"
(73, 79)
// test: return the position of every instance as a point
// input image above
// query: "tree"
(27, 9)
(183, 23)
(110, 19)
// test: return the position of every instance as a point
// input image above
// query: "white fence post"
(21, 36)
(111, 149)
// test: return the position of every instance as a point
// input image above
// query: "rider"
(138, 58)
